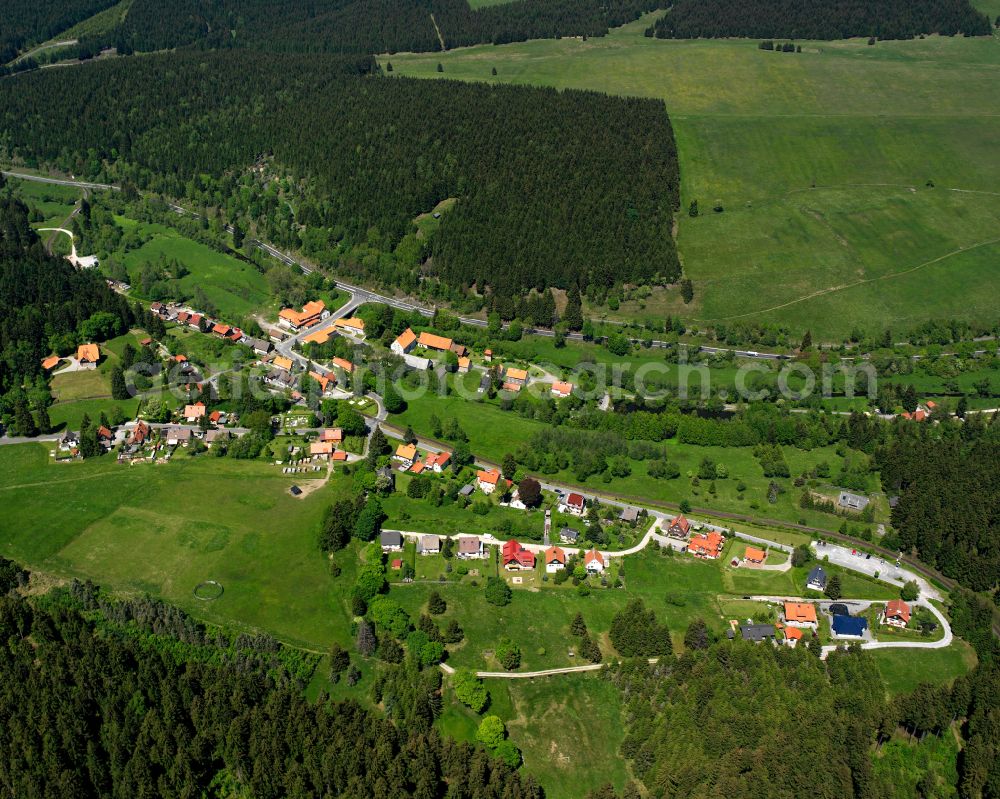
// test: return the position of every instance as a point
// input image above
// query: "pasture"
(820, 161)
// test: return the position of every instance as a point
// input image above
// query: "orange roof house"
(679, 526)
(339, 455)
(433, 342)
(343, 363)
(50, 363)
(323, 380)
(490, 477)
(417, 467)
(311, 313)
(317, 337)
(194, 412)
(406, 452)
(334, 434)
(515, 375)
(321, 448)
(282, 362)
(554, 559)
(464, 364)
(404, 342)
(754, 555)
(792, 635)
(509, 386)
(88, 353)
(800, 613)
(897, 612)
(562, 389)
(352, 324)
(706, 546)
(221, 329)
(594, 561)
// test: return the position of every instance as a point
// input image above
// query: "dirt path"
(440, 37)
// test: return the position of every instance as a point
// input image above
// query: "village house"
(488, 356)
(459, 349)
(757, 632)
(69, 441)
(279, 378)
(555, 560)
(561, 389)
(849, 626)
(679, 527)
(177, 436)
(576, 504)
(800, 614)
(707, 546)
(470, 547)
(514, 379)
(516, 558)
(50, 363)
(854, 502)
(311, 313)
(320, 450)
(87, 356)
(406, 454)
(259, 346)
(218, 417)
(343, 364)
(334, 434)
(197, 321)
(431, 341)
(339, 455)
(388, 474)
(404, 342)
(754, 555)
(216, 437)
(568, 535)
(629, 515)
(467, 490)
(816, 580)
(105, 437)
(282, 362)
(488, 480)
(221, 330)
(594, 562)
(351, 325)
(792, 636)
(437, 462)
(417, 467)
(464, 364)
(896, 613)
(325, 383)
(183, 317)
(429, 545)
(390, 541)
(318, 337)
(140, 433)
(192, 413)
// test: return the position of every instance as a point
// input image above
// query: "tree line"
(27, 22)
(89, 714)
(553, 188)
(336, 26)
(819, 19)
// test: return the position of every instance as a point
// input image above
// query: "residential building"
(432, 342)
(192, 413)
(438, 461)
(470, 547)
(561, 389)
(816, 580)
(417, 467)
(576, 504)
(282, 362)
(176, 436)
(707, 546)
(679, 527)
(850, 501)
(800, 614)
(87, 356)
(896, 613)
(260, 346)
(516, 558)
(509, 386)
(216, 436)
(417, 362)
(221, 329)
(792, 636)
(488, 480)
(406, 454)
(339, 456)
(594, 562)
(343, 364)
(555, 560)
(325, 383)
(279, 378)
(754, 555)
(69, 441)
(318, 337)
(629, 515)
(464, 364)
(50, 363)
(568, 535)
(488, 356)
(849, 626)
(352, 325)
(390, 541)
(429, 545)
(757, 632)
(334, 434)
(320, 450)
(404, 342)
(459, 349)
(514, 376)
(140, 433)
(311, 313)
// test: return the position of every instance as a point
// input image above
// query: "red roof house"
(516, 557)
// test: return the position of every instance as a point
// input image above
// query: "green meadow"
(820, 160)
(234, 286)
(54, 202)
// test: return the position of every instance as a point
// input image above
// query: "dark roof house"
(816, 579)
(757, 632)
(850, 626)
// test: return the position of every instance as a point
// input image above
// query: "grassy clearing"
(102, 22)
(757, 131)
(234, 287)
(54, 202)
(903, 669)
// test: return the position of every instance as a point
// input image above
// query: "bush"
(509, 654)
(498, 592)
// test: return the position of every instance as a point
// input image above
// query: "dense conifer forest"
(355, 26)
(44, 301)
(94, 707)
(552, 188)
(27, 22)
(819, 19)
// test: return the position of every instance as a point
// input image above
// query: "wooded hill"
(27, 22)
(819, 19)
(553, 187)
(358, 26)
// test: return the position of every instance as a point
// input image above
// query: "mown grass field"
(53, 201)
(819, 159)
(233, 286)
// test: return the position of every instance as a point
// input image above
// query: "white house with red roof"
(437, 461)
(516, 558)
(488, 480)
(555, 559)
(576, 504)
(594, 562)
(679, 527)
(896, 613)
